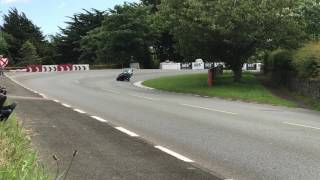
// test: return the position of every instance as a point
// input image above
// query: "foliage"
(231, 31)
(3, 44)
(20, 29)
(248, 90)
(280, 64)
(17, 159)
(123, 36)
(29, 54)
(307, 60)
(311, 13)
(153, 4)
(67, 44)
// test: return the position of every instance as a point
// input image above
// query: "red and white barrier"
(49, 68)
(81, 67)
(34, 68)
(58, 68)
(65, 67)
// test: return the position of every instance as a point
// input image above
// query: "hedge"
(307, 61)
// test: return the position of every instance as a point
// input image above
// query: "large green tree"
(20, 29)
(124, 35)
(67, 43)
(232, 30)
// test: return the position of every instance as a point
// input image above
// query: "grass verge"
(307, 101)
(17, 159)
(250, 89)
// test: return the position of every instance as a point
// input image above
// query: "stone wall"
(309, 88)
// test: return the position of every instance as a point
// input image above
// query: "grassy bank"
(17, 159)
(307, 101)
(250, 89)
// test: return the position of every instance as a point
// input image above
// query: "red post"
(211, 77)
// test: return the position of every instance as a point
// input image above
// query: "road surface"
(236, 140)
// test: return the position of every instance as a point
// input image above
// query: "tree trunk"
(237, 73)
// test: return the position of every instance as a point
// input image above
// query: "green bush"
(279, 64)
(307, 61)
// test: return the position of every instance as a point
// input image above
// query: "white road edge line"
(148, 98)
(56, 101)
(66, 105)
(44, 96)
(209, 109)
(174, 154)
(20, 84)
(99, 119)
(139, 84)
(301, 125)
(79, 111)
(130, 133)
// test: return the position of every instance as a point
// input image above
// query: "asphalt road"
(236, 140)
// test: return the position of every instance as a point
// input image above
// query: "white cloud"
(13, 1)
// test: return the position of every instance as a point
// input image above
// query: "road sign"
(3, 62)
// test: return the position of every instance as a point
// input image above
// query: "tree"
(230, 30)
(311, 12)
(29, 54)
(153, 4)
(125, 33)
(3, 44)
(20, 29)
(67, 44)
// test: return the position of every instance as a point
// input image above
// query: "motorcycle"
(125, 75)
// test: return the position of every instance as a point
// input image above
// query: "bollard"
(211, 77)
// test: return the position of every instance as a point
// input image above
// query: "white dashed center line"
(148, 98)
(132, 134)
(174, 154)
(111, 91)
(301, 125)
(209, 109)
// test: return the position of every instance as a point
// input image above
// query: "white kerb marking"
(66, 105)
(99, 119)
(56, 101)
(130, 133)
(301, 125)
(174, 154)
(79, 111)
(209, 109)
(139, 84)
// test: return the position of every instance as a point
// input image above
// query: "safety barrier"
(58, 68)
(81, 67)
(34, 68)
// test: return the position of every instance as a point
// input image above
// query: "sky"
(49, 14)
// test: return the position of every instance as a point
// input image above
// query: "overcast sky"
(49, 14)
